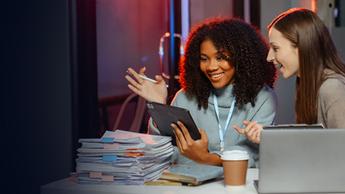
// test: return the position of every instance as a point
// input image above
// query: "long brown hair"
(316, 51)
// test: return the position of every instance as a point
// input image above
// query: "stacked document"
(123, 157)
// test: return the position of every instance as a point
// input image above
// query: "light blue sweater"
(263, 112)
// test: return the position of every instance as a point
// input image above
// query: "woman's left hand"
(252, 130)
(196, 150)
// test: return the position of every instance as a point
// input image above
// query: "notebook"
(302, 160)
(192, 174)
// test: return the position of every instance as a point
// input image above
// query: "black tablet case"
(163, 115)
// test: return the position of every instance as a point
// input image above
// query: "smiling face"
(283, 54)
(215, 65)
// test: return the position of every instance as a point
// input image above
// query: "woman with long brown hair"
(301, 45)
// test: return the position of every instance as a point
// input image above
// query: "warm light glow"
(314, 5)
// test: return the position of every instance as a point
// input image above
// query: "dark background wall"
(36, 141)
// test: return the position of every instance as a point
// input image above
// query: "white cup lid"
(235, 155)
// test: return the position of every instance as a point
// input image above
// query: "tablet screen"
(163, 115)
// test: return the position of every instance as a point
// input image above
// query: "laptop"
(301, 160)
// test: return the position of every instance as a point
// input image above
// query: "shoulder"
(333, 87)
(266, 99)
(181, 98)
(265, 107)
(180, 95)
(266, 93)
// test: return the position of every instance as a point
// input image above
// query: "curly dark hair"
(248, 51)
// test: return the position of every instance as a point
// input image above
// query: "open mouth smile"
(215, 76)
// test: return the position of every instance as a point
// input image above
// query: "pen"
(149, 79)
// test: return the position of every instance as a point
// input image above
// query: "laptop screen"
(295, 160)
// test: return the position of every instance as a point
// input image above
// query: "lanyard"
(222, 130)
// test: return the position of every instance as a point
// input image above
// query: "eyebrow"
(203, 54)
(273, 44)
(217, 53)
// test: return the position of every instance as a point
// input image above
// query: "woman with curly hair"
(302, 46)
(225, 80)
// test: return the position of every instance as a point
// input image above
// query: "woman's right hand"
(153, 92)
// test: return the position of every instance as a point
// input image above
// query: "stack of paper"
(123, 157)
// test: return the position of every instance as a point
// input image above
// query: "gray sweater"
(331, 101)
(263, 112)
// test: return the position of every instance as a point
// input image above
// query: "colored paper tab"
(107, 139)
(109, 158)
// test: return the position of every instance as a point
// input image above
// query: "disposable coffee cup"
(235, 164)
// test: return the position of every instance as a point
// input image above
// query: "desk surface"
(65, 186)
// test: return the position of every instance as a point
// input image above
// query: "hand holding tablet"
(163, 115)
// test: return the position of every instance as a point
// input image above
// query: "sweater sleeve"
(264, 113)
(266, 108)
(332, 100)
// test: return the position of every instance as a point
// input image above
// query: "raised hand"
(153, 92)
(252, 130)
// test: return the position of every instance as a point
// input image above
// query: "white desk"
(65, 186)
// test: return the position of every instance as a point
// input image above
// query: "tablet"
(163, 115)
